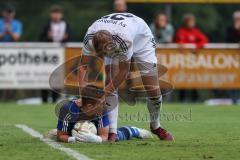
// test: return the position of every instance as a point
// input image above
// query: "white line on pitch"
(52, 143)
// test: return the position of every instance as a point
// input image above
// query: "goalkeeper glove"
(88, 137)
(72, 139)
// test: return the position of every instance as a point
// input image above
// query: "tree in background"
(213, 19)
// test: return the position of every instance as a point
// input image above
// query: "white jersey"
(130, 32)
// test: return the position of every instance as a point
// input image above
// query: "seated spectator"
(233, 33)
(56, 29)
(120, 6)
(161, 29)
(189, 33)
(10, 28)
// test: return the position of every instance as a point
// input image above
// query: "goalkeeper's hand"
(88, 137)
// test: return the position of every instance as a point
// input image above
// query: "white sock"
(113, 118)
(154, 106)
(112, 100)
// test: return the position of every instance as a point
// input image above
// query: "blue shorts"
(70, 113)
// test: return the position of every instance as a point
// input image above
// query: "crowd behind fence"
(58, 29)
(185, 43)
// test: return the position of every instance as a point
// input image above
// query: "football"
(85, 126)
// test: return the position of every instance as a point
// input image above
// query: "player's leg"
(127, 133)
(112, 101)
(150, 81)
(154, 99)
(147, 66)
(111, 69)
(145, 57)
(140, 133)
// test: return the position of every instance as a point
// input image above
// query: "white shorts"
(147, 64)
(150, 57)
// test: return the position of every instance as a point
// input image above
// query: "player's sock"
(124, 133)
(112, 100)
(154, 106)
(140, 133)
(135, 131)
(113, 118)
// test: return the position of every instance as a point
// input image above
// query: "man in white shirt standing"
(55, 30)
(117, 38)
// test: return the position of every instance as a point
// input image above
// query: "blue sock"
(124, 133)
(135, 131)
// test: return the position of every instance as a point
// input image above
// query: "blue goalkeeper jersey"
(70, 113)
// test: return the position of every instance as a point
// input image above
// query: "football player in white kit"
(117, 38)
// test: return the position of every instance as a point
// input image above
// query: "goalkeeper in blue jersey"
(88, 108)
(68, 119)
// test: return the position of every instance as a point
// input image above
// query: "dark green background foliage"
(211, 18)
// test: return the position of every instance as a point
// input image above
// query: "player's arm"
(119, 78)
(64, 137)
(83, 69)
(103, 133)
(104, 129)
(64, 126)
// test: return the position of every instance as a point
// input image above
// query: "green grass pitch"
(201, 132)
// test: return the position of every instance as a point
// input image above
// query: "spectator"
(57, 29)
(120, 6)
(233, 33)
(10, 28)
(189, 34)
(233, 36)
(161, 29)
